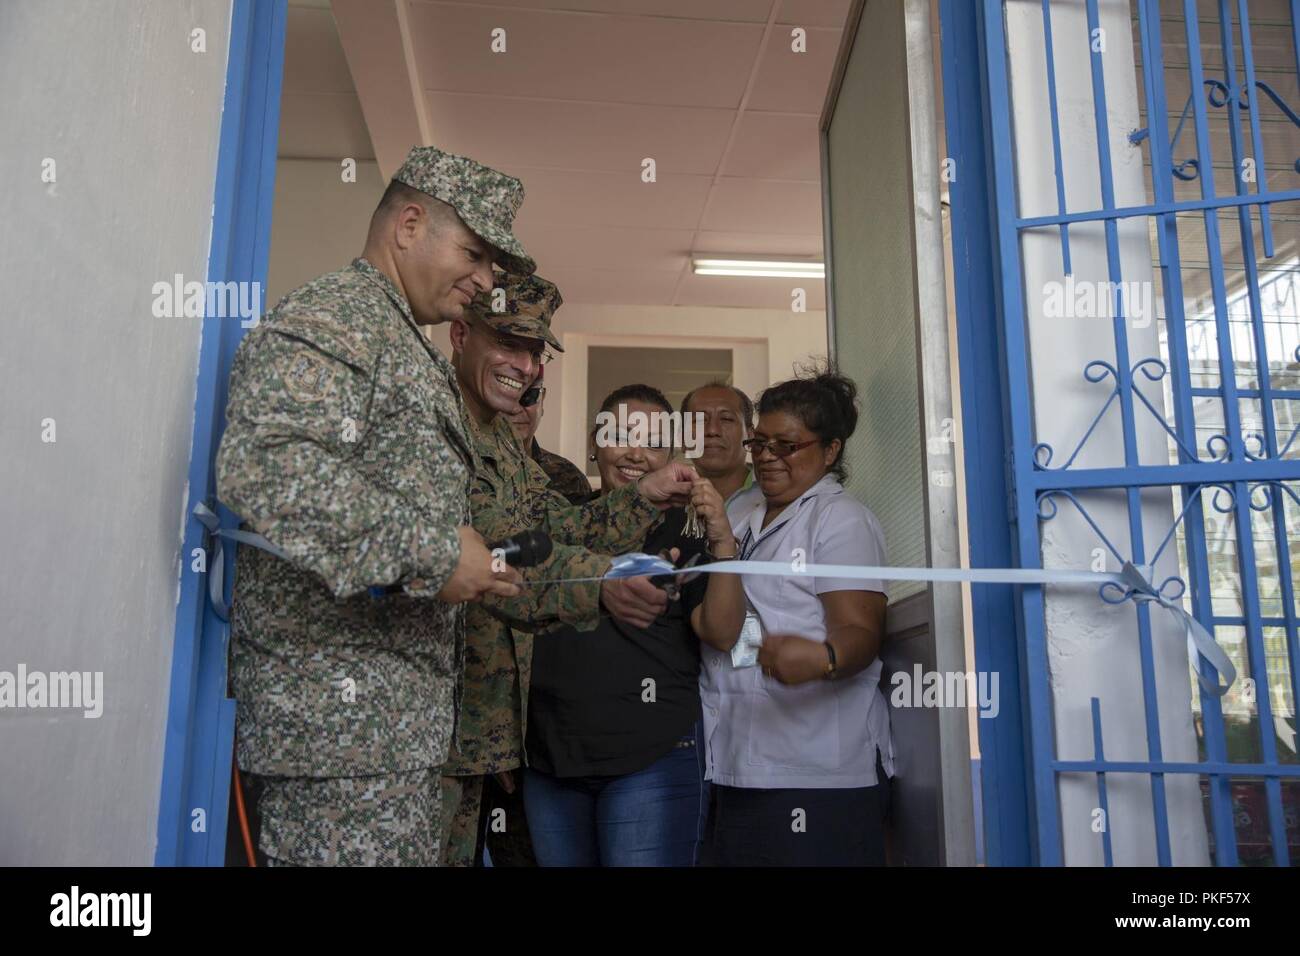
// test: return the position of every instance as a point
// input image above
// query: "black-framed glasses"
(780, 448)
(514, 345)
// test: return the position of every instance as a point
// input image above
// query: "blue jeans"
(653, 817)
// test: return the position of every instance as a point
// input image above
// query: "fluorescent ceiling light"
(759, 268)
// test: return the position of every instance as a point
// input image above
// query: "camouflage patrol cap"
(529, 302)
(486, 200)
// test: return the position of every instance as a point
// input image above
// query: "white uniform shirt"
(823, 733)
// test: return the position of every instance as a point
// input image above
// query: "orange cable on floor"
(243, 815)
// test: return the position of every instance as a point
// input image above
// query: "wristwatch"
(830, 663)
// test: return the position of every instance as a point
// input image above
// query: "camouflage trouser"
(462, 797)
(508, 842)
(389, 819)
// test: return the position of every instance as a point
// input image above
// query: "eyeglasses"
(513, 345)
(778, 447)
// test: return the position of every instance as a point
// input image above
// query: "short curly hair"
(824, 400)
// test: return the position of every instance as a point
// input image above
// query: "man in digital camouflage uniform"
(496, 355)
(346, 447)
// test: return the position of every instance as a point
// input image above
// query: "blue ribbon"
(1132, 583)
(216, 557)
(1199, 640)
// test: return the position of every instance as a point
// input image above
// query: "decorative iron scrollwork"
(1154, 370)
(1220, 101)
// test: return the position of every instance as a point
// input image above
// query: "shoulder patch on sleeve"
(306, 376)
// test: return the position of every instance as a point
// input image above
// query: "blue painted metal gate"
(1219, 82)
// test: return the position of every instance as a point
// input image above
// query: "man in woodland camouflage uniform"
(346, 448)
(497, 354)
(510, 845)
(566, 477)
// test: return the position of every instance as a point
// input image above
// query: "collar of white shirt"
(752, 522)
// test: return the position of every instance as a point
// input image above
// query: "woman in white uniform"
(798, 745)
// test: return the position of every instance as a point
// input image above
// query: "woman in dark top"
(615, 772)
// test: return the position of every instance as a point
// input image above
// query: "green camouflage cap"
(486, 200)
(526, 307)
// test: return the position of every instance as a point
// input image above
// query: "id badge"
(744, 653)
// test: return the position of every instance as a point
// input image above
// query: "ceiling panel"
(613, 287)
(795, 82)
(606, 247)
(814, 13)
(746, 205)
(568, 134)
(579, 57)
(776, 146)
(610, 199)
(742, 11)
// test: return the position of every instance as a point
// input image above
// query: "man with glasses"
(512, 846)
(499, 347)
(566, 477)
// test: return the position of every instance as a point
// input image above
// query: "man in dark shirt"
(566, 477)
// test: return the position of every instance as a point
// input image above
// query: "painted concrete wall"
(112, 92)
(319, 220)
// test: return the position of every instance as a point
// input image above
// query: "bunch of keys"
(694, 528)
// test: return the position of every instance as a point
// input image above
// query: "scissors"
(672, 583)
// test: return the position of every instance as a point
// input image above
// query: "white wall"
(319, 221)
(89, 574)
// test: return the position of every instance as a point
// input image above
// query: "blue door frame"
(1005, 758)
(200, 732)
(1011, 492)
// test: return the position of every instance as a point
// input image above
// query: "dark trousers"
(823, 827)
(508, 844)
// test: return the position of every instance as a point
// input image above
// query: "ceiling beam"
(380, 55)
